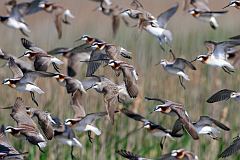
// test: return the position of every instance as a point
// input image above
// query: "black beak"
(227, 6)
(78, 39)
(10, 107)
(21, 56)
(194, 60)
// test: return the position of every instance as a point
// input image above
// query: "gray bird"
(204, 126)
(207, 16)
(177, 67)
(175, 109)
(25, 82)
(7, 151)
(233, 3)
(224, 94)
(232, 149)
(154, 129)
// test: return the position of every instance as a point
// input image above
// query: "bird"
(110, 93)
(15, 20)
(130, 76)
(129, 155)
(154, 129)
(179, 154)
(177, 67)
(25, 125)
(232, 149)
(44, 120)
(81, 121)
(174, 155)
(7, 151)
(61, 15)
(204, 126)
(25, 8)
(103, 52)
(71, 84)
(175, 109)
(218, 54)
(207, 16)
(25, 82)
(157, 26)
(224, 94)
(199, 4)
(74, 57)
(23, 65)
(40, 58)
(233, 3)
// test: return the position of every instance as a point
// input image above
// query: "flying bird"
(224, 94)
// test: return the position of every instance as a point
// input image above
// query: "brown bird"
(40, 58)
(7, 151)
(103, 52)
(199, 4)
(176, 109)
(44, 120)
(110, 93)
(25, 125)
(61, 15)
(130, 76)
(71, 84)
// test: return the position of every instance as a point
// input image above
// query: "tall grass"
(189, 36)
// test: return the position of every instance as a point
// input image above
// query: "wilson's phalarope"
(25, 125)
(177, 67)
(218, 54)
(224, 94)
(176, 109)
(154, 129)
(207, 16)
(233, 3)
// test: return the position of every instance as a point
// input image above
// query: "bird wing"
(45, 123)
(164, 17)
(222, 48)
(206, 120)
(95, 61)
(220, 96)
(33, 7)
(210, 45)
(31, 46)
(135, 116)
(76, 104)
(233, 148)
(177, 127)
(115, 24)
(155, 99)
(182, 63)
(199, 4)
(212, 13)
(90, 118)
(128, 155)
(19, 114)
(130, 81)
(185, 120)
(41, 63)
(16, 71)
(31, 76)
(58, 24)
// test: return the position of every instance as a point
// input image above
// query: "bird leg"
(25, 34)
(89, 136)
(162, 142)
(33, 98)
(181, 82)
(56, 67)
(72, 156)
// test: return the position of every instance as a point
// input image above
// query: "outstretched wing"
(220, 96)
(128, 155)
(135, 116)
(233, 148)
(76, 104)
(164, 17)
(16, 71)
(182, 64)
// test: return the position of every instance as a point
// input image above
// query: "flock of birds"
(95, 53)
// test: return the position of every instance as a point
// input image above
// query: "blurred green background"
(189, 35)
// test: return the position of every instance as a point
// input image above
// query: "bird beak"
(226, 6)
(194, 60)
(10, 107)
(21, 56)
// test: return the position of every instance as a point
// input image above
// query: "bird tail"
(68, 13)
(183, 75)
(213, 23)
(93, 129)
